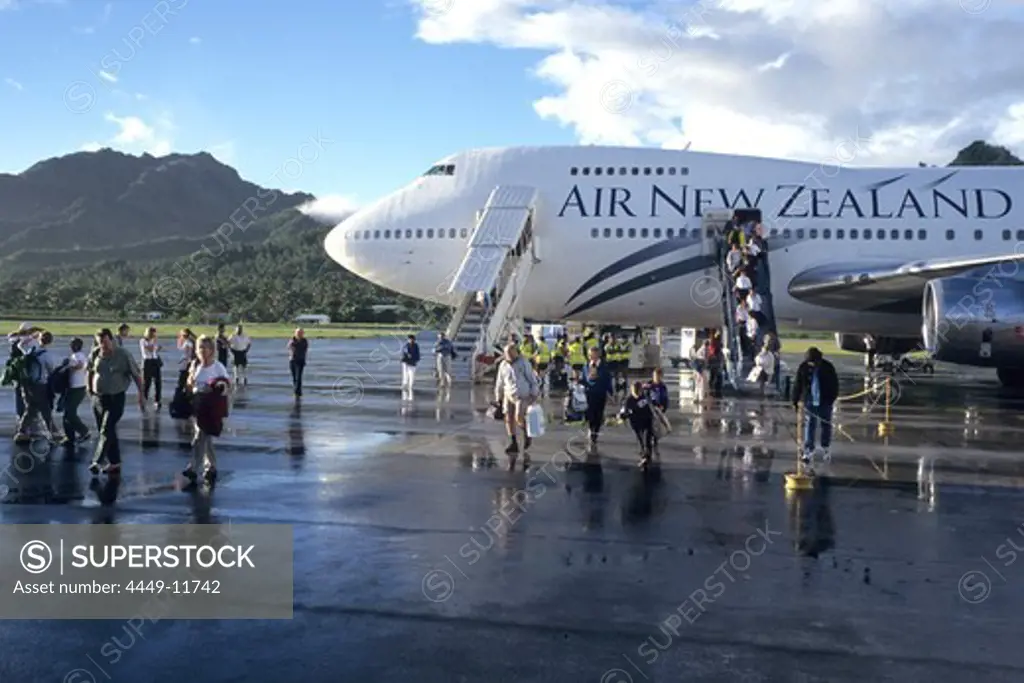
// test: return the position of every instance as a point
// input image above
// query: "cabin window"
(440, 234)
(672, 170)
(659, 171)
(787, 233)
(398, 234)
(950, 234)
(623, 170)
(376, 234)
(840, 233)
(1020, 235)
(977, 234)
(853, 233)
(586, 170)
(826, 233)
(632, 233)
(922, 235)
(610, 171)
(463, 233)
(695, 233)
(607, 233)
(880, 234)
(636, 171)
(867, 234)
(594, 232)
(800, 233)
(451, 233)
(643, 233)
(774, 232)
(441, 169)
(657, 233)
(670, 233)
(684, 171)
(894, 234)
(355, 235)
(598, 171)
(387, 234)
(908, 234)
(1006, 234)
(408, 234)
(647, 170)
(419, 233)
(618, 232)
(574, 171)
(814, 233)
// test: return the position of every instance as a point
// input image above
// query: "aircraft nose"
(340, 246)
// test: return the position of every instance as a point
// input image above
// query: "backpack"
(60, 380)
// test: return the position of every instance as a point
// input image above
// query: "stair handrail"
(729, 313)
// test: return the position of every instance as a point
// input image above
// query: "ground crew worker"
(611, 355)
(577, 356)
(562, 348)
(543, 355)
(590, 342)
(625, 351)
(528, 348)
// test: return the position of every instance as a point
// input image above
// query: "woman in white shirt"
(187, 346)
(764, 368)
(75, 430)
(240, 344)
(208, 382)
(151, 364)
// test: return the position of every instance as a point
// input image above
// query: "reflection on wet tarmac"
(575, 562)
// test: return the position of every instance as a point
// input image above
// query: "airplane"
(923, 257)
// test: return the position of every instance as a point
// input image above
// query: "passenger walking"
(240, 345)
(515, 390)
(598, 379)
(151, 365)
(124, 331)
(771, 342)
(764, 367)
(36, 365)
(223, 346)
(444, 353)
(817, 387)
(699, 361)
(111, 370)
(298, 351)
(640, 413)
(734, 259)
(187, 346)
(209, 384)
(75, 431)
(24, 334)
(657, 390)
(410, 359)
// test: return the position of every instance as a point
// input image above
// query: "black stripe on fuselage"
(635, 259)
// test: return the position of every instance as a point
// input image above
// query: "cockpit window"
(441, 169)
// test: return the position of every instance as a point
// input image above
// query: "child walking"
(639, 412)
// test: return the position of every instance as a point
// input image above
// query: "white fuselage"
(599, 206)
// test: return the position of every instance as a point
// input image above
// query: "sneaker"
(807, 457)
(94, 468)
(826, 454)
(210, 475)
(512, 448)
(526, 443)
(189, 474)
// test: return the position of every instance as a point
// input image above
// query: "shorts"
(241, 358)
(513, 406)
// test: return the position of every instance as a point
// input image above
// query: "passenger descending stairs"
(499, 260)
(738, 366)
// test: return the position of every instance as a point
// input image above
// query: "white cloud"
(107, 76)
(332, 208)
(135, 135)
(787, 78)
(14, 84)
(139, 96)
(195, 40)
(90, 147)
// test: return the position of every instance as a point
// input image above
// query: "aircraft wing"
(890, 286)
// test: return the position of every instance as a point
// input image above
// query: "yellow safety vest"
(576, 356)
(611, 352)
(625, 352)
(591, 343)
(527, 349)
(543, 353)
(561, 349)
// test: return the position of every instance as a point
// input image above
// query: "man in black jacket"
(817, 387)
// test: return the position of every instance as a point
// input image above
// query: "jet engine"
(884, 346)
(976, 321)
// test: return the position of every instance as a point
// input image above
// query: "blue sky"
(254, 81)
(394, 85)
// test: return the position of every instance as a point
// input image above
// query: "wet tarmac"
(420, 556)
